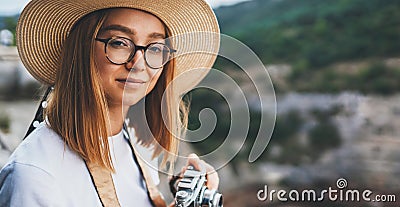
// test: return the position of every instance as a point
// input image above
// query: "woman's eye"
(118, 44)
(155, 49)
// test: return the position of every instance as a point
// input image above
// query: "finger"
(184, 168)
(212, 177)
(195, 161)
(202, 166)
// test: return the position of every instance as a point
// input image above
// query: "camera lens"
(218, 200)
(212, 198)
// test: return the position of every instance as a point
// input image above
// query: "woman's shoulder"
(43, 171)
(28, 178)
(42, 149)
(26, 185)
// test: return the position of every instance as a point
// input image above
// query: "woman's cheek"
(155, 76)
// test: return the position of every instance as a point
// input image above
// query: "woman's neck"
(117, 116)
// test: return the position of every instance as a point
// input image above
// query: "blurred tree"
(9, 23)
(325, 134)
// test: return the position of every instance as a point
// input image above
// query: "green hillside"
(319, 32)
(314, 35)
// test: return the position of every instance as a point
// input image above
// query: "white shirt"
(42, 171)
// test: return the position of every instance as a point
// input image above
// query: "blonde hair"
(78, 109)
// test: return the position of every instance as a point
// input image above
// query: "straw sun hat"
(44, 25)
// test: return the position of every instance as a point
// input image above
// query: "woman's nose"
(137, 62)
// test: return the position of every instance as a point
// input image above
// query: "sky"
(11, 7)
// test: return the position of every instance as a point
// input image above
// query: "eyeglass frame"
(136, 48)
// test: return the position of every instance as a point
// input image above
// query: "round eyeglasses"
(121, 50)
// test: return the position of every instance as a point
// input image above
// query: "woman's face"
(121, 84)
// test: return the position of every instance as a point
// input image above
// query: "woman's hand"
(202, 166)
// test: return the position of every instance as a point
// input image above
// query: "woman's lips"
(131, 82)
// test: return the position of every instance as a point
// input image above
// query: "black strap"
(128, 138)
(39, 112)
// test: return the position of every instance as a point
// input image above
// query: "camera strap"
(104, 184)
(153, 192)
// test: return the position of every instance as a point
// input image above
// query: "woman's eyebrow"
(156, 35)
(115, 27)
(118, 28)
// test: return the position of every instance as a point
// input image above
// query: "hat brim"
(44, 25)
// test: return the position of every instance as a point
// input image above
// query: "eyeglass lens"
(121, 50)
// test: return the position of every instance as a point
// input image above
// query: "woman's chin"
(130, 99)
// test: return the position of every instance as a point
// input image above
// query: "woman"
(102, 58)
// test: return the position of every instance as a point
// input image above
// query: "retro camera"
(192, 192)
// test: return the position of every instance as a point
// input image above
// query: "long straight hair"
(161, 121)
(78, 108)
